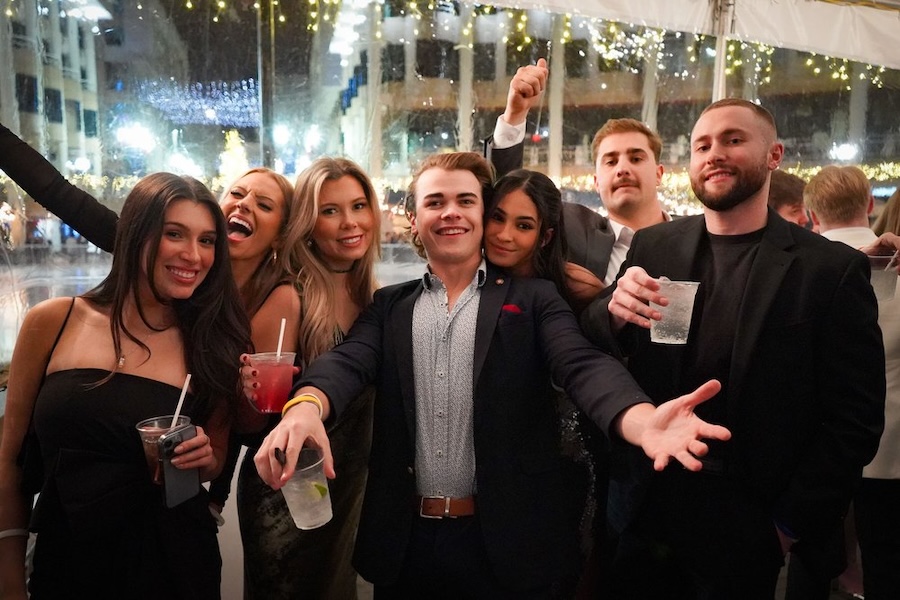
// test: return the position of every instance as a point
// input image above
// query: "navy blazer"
(806, 387)
(525, 335)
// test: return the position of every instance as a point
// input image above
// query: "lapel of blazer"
(766, 274)
(599, 248)
(678, 254)
(493, 293)
(401, 330)
(589, 238)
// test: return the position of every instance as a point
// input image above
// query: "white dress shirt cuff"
(506, 135)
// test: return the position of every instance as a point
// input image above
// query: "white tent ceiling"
(862, 30)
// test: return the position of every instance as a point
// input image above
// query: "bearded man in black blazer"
(465, 495)
(786, 320)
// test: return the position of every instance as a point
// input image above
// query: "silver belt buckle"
(446, 500)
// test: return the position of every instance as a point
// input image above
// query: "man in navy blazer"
(465, 494)
(787, 321)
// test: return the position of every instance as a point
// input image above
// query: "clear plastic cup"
(884, 282)
(306, 493)
(675, 324)
(150, 430)
(276, 375)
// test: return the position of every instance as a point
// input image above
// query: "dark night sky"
(227, 49)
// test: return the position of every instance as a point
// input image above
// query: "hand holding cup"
(255, 373)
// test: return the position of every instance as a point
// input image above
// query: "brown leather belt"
(441, 507)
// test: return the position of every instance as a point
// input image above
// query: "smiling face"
(254, 209)
(732, 152)
(343, 230)
(448, 216)
(512, 232)
(186, 250)
(626, 173)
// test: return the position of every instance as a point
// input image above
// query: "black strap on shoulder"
(61, 328)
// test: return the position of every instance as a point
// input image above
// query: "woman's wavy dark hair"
(213, 324)
(549, 260)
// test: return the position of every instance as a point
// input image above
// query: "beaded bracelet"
(301, 399)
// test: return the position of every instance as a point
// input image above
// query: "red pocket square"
(512, 308)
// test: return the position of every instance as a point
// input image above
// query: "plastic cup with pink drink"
(275, 377)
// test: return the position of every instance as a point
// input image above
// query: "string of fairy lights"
(674, 191)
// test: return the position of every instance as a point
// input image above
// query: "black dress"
(102, 529)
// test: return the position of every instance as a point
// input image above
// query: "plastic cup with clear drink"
(675, 324)
(884, 280)
(306, 493)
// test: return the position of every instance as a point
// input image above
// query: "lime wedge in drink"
(323, 490)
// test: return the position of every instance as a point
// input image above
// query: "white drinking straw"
(184, 389)
(280, 339)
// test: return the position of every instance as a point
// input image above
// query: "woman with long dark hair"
(86, 370)
(524, 233)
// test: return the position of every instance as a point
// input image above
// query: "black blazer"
(806, 388)
(525, 335)
(589, 236)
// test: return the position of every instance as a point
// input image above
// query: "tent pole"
(723, 24)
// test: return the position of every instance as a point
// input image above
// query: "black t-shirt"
(723, 267)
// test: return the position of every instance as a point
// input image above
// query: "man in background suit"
(465, 492)
(627, 172)
(788, 322)
(840, 202)
(786, 197)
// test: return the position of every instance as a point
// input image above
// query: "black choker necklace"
(340, 270)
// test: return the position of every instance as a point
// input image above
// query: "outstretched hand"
(675, 431)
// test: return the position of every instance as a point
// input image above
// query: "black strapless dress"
(102, 528)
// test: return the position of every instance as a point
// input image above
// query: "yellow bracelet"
(301, 399)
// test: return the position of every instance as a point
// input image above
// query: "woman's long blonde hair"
(889, 219)
(319, 325)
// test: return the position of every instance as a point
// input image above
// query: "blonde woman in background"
(335, 240)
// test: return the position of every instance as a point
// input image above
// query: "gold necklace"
(137, 346)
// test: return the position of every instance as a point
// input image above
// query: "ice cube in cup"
(306, 493)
